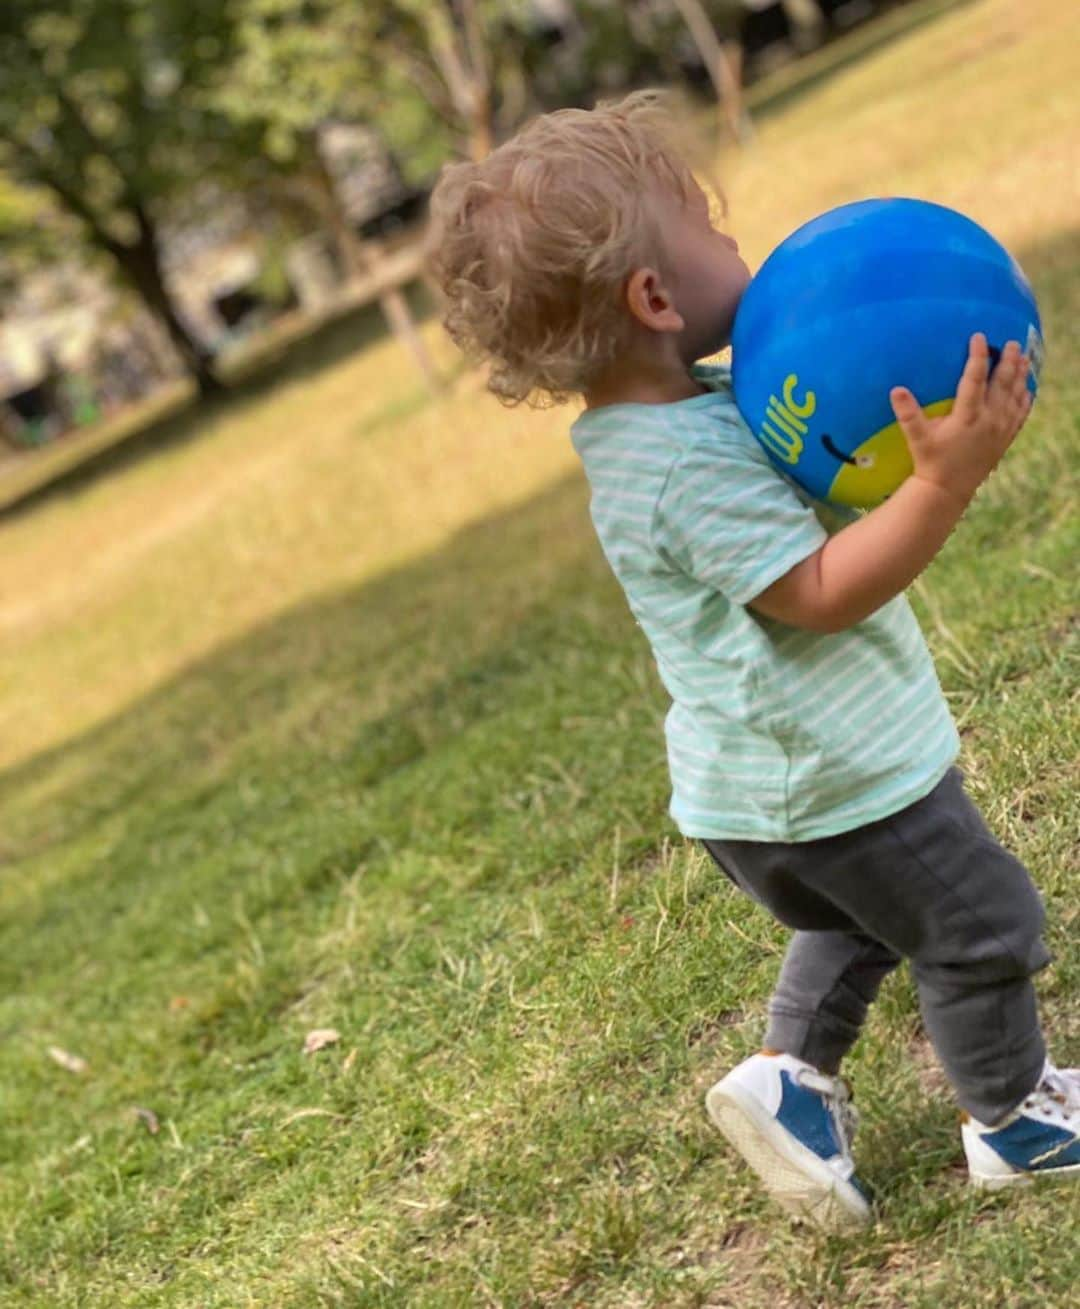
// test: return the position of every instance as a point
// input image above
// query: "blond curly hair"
(532, 246)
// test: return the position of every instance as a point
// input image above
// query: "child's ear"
(649, 300)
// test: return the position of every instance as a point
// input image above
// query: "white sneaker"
(1039, 1138)
(793, 1125)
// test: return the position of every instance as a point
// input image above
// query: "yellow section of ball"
(882, 462)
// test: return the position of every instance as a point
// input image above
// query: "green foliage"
(296, 65)
(390, 64)
(108, 104)
(31, 232)
(420, 139)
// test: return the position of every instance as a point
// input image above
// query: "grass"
(330, 715)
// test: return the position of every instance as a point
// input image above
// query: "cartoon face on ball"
(830, 468)
(873, 471)
(798, 434)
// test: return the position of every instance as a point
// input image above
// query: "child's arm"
(873, 559)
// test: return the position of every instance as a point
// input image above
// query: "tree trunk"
(738, 119)
(481, 132)
(141, 264)
(475, 49)
(720, 66)
(458, 44)
(140, 261)
(806, 20)
(357, 263)
(349, 246)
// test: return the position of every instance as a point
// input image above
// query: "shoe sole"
(999, 1181)
(793, 1175)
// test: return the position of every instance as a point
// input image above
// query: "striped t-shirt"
(775, 733)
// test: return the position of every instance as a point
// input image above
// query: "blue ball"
(869, 296)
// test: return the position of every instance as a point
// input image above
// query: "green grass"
(332, 716)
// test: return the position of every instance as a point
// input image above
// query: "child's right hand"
(957, 451)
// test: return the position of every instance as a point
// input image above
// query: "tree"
(299, 66)
(641, 41)
(448, 39)
(425, 76)
(462, 56)
(724, 67)
(105, 104)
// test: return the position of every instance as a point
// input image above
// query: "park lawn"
(331, 716)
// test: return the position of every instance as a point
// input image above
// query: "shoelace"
(834, 1091)
(1063, 1086)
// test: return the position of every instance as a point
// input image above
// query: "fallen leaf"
(72, 1062)
(319, 1037)
(311, 1113)
(149, 1118)
(349, 1060)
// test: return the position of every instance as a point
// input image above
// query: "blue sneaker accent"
(805, 1116)
(794, 1124)
(1028, 1144)
(1040, 1139)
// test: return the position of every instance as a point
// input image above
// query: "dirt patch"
(932, 1077)
(705, 1030)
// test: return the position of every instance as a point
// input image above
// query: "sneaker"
(793, 1125)
(1039, 1138)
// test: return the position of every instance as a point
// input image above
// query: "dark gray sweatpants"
(929, 884)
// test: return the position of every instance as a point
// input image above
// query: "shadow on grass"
(343, 692)
(330, 737)
(276, 365)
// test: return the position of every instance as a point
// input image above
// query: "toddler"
(810, 748)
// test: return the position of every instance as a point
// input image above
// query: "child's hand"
(959, 450)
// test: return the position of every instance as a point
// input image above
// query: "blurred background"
(183, 181)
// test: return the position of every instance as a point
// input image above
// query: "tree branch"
(475, 45)
(442, 41)
(425, 77)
